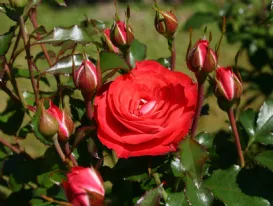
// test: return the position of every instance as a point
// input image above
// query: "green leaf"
(137, 52)
(198, 19)
(93, 25)
(192, 156)
(77, 108)
(177, 168)
(165, 62)
(109, 60)
(265, 159)
(64, 65)
(62, 34)
(24, 73)
(35, 125)
(266, 139)
(151, 198)
(265, 118)
(61, 2)
(48, 179)
(11, 118)
(177, 199)
(205, 139)
(197, 195)
(5, 41)
(223, 185)
(13, 14)
(247, 119)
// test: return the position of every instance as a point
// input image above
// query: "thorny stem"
(12, 57)
(158, 182)
(200, 99)
(10, 146)
(13, 81)
(173, 53)
(58, 148)
(33, 19)
(236, 136)
(28, 57)
(70, 155)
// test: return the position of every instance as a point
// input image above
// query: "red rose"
(84, 187)
(145, 112)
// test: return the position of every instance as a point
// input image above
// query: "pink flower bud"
(48, 125)
(108, 43)
(121, 34)
(165, 23)
(66, 125)
(201, 57)
(86, 79)
(227, 84)
(84, 187)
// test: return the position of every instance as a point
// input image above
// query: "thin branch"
(236, 136)
(70, 155)
(28, 57)
(10, 146)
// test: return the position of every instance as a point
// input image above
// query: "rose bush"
(145, 112)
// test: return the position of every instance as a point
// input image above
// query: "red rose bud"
(84, 186)
(121, 34)
(165, 23)
(66, 125)
(108, 43)
(227, 84)
(48, 125)
(201, 57)
(86, 79)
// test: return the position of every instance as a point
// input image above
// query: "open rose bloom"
(145, 112)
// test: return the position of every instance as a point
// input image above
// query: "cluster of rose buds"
(84, 186)
(201, 60)
(54, 120)
(108, 43)
(121, 34)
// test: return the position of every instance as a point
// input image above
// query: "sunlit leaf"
(197, 195)
(177, 199)
(64, 65)
(61, 34)
(265, 118)
(192, 156)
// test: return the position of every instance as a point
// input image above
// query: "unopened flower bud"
(48, 125)
(121, 34)
(228, 85)
(108, 43)
(86, 79)
(201, 58)
(165, 23)
(18, 3)
(84, 186)
(66, 125)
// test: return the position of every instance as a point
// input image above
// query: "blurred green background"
(142, 17)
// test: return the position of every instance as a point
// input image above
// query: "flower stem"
(58, 148)
(89, 109)
(28, 57)
(69, 154)
(236, 136)
(200, 99)
(173, 53)
(158, 182)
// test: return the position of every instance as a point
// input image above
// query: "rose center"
(145, 106)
